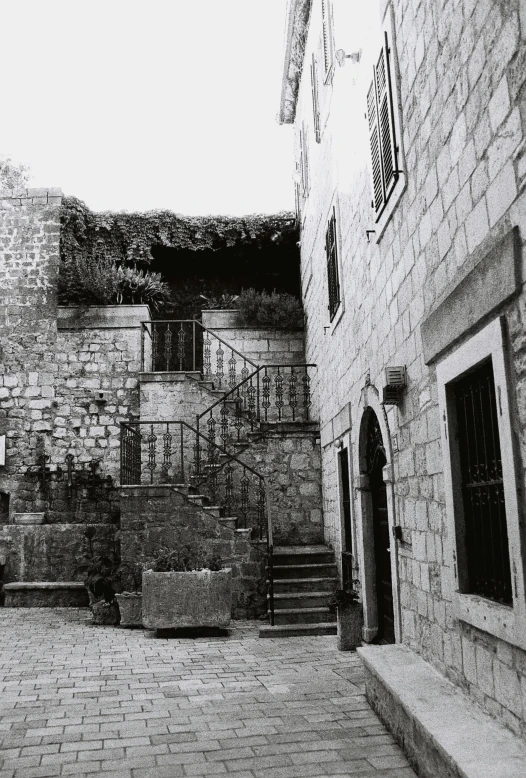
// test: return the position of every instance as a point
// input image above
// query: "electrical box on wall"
(395, 382)
(2, 450)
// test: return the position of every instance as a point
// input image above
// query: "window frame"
(327, 40)
(333, 313)
(384, 215)
(505, 622)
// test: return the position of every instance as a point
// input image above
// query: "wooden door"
(382, 539)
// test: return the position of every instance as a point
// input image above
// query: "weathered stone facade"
(460, 75)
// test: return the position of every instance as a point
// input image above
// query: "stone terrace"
(77, 700)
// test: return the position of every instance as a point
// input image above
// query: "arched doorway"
(375, 461)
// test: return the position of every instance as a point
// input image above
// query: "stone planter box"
(220, 318)
(350, 623)
(76, 317)
(177, 600)
(130, 607)
(27, 519)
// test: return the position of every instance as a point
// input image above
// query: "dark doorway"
(376, 460)
(343, 466)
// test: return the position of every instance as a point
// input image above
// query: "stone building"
(410, 169)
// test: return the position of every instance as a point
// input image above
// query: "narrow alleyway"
(80, 700)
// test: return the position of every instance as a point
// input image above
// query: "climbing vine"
(130, 237)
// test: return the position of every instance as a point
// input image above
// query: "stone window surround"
(502, 621)
(388, 26)
(362, 515)
(331, 326)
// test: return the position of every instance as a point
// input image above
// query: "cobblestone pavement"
(77, 700)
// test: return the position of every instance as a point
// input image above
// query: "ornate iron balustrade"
(184, 345)
(271, 394)
(174, 453)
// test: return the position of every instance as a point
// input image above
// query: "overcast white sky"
(132, 105)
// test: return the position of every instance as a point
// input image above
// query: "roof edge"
(296, 29)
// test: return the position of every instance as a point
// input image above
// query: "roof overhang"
(297, 25)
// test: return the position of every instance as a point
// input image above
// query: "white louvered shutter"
(315, 98)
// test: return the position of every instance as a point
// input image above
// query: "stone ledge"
(442, 732)
(102, 317)
(45, 594)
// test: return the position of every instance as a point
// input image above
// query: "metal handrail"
(144, 329)
(244, 381)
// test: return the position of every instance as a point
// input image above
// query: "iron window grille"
(485, 528)
(382, 134)
(333, 279)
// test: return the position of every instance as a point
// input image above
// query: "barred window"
(333, 280)
(485, 532)
(384, 149)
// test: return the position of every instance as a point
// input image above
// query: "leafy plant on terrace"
(184, 559)
(100, 281)
(259, 309)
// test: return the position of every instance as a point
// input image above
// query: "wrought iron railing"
(271, 393)
(175, 453)
(184, 345)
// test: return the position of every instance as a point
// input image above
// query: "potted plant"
(184, 588)
(350, 619)
(102, 578)
(130, 603)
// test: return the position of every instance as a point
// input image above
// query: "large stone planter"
(130, 607)
(75, 317)
(177, 600)
(219, 318)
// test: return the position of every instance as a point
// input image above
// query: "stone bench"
(46, 594)
(443, 733)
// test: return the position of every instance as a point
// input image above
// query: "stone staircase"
(304, 580)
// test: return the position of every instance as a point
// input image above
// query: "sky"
(134, 105)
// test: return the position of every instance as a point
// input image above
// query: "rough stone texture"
(130, 608)
(495, 278)
(177, 600)
(465, 190)
(50, 378)
(47, 552)
(159, 516)
(427, 715)
(290, 461)
(261, 345)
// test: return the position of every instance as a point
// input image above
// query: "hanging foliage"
(130, 237)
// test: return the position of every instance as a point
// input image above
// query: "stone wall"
(264, 346)
(290, 461)
(152, 517)
(463, 114)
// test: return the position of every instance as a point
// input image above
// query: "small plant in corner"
(344, 597)
(101, 568)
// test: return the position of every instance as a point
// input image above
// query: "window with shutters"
(333, 278)
(482, 509)
(328, 44)
(315, 98)
(304, 161)
(385, 155)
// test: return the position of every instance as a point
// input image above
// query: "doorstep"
(443, 733)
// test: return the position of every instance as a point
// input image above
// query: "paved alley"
(81, 700)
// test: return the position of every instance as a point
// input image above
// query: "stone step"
(213, 510)
(443, 732)
(295, 585)
(46, 594)
(305, 571)
(297, 630)
(321, 615)
(229, 521)
(294, 599)
(303, 555)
